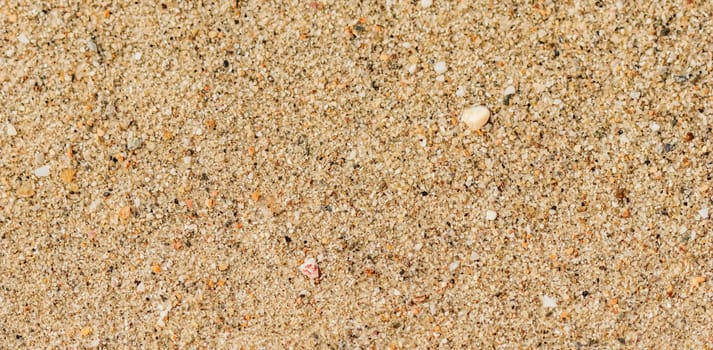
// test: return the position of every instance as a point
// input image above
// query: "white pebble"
(635, 95)
(440, 67)
(140, 287)
(490, 215)
(460, 91)
(703, 213)
(655, 126)
(548, 301)
(396, 292)
(23, 39)
(43, 171)
(474, 256)
(426, 3)
(91, 45)
(453, 266)
(475, 117)
(10, 130)
(411, 69)
(510, 90)
(137, 55)
(441, 78)
(418, 247)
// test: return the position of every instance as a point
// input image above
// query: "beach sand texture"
(169, 169)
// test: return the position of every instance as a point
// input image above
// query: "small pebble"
(23, 39)
(490, 215)
(67, 175)
(510, 90)
(460, 91)
(440, 67)
(25, 191)
(91, 45)
(426, 3)
(655, 127)
(475, 117)
(42, 171)
(411, 69)
(11, 131)
(703, 213)
(125, 213)
(548, 301)
(310, 268)
(453, 266)
(137, 55)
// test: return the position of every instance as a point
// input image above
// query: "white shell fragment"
(310, 268)
(42, 171)
(548, 301)
(475, 117)
(490, 215)
(440, 67)
(11, 131)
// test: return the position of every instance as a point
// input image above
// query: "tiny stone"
(67, 175)
(655, 127)
(91, 45)
(426, 3)
(475, 117)
(441, 78)
(25, 191)
(490, 215)
(635, 95)
(460, 91)
(703, 213)
(137, 55)
(125, 213)
(43, 171)
(453, 266)
(10, 130)
(223, 267)
(396, 292)
(688, 137)
(548, 301)
(23, 39)
(440, 67)
(510, 90)
(133, 142)
(411, 69)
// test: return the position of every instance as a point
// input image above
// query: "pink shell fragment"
(310, 268)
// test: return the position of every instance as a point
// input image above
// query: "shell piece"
(548, 301)
(475, 117)
(310, 268)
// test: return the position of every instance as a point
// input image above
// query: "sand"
(166, 170)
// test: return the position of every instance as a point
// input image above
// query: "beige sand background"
(166, 167)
